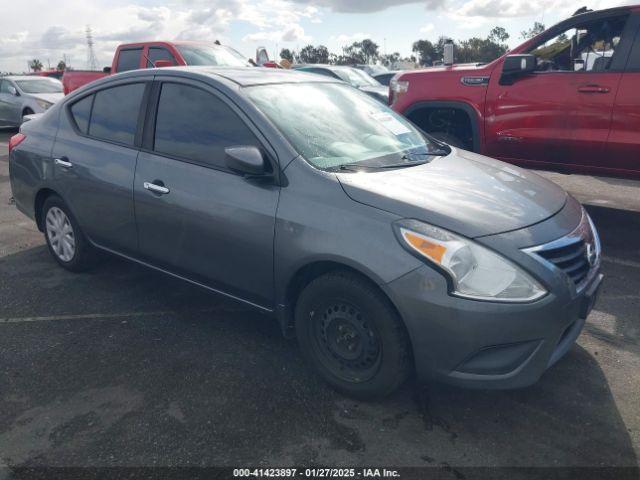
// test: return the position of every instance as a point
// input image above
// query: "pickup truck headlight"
(43, 104)
(475, 271)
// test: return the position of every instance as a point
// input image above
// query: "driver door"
(561, 114)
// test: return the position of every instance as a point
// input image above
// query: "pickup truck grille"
(577, 255)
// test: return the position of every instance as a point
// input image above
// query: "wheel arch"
(38, 203)
(472, 114)
(312, 269)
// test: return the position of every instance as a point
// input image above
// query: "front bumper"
(485, 344)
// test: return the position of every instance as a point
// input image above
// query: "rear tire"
(67, 244)
(352, 335)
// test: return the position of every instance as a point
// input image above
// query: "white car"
(26, 95)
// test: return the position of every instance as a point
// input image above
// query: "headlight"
(398, 88)
(475, 271)
(43, 104)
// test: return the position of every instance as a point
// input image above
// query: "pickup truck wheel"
(449, 139)
(65, 240)
(351, 334)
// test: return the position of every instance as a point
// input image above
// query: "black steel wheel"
(349, 331)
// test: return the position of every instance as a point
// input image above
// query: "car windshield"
(358, 78)
(334, 126)
(40, 85)
(215, 55)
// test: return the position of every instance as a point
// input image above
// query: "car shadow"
(615, 319)
(130, 367)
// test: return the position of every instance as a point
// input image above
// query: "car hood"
(379, 90)
(48, 97)
(462, 192)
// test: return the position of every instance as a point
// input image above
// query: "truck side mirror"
(515, 66)
(12, 90)
(106, 70)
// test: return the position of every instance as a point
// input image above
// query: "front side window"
(129, 59)
(195, 125)
(159, 53)
(585, 48)
(332, 125)
(115, 113)
(40, 85)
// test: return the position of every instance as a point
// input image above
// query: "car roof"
(23, 77)
(329, 67)
(247, 76)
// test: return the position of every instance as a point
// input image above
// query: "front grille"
(571, 259)
(577, 255)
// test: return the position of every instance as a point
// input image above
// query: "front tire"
(67, 244)
(348, 330)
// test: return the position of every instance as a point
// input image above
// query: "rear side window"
(195, 125)
(81, 111)
(159, 53)
(115, 113)
(129, 59)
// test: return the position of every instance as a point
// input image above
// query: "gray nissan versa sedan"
(381, 249)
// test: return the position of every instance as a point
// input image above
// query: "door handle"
(63, 162)
(593, 89)
(156, 188)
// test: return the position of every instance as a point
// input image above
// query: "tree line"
(424, 52)
(36, 65)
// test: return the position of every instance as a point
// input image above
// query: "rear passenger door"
(94, 162)
(204, 222)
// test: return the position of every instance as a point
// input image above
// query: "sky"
(53, 30)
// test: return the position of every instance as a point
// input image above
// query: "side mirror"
(515, 66)
(246, 160)
(163, 63)
(106, 70)
(12, 90)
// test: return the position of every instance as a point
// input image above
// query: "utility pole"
(92, 61)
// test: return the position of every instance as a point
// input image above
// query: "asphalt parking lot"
(122, 366)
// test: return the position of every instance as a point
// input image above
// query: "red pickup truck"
(132, 56)
(568, 99)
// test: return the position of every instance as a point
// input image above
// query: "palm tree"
(35, 65)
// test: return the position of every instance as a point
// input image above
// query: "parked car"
(49, 73)
(385, 77)
(354, 77)
(566, 99)
(371, 70)
(26, 95)
(380, 248)
(133, 56)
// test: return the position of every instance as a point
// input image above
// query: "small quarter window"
(81, 111)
